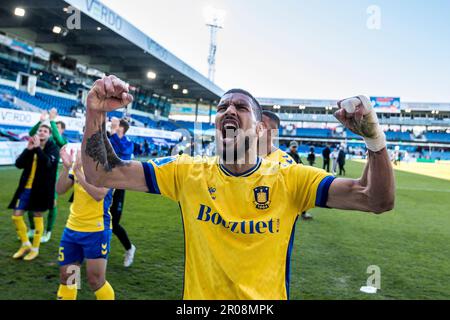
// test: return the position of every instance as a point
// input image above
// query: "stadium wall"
(10, 150)
(26, 119)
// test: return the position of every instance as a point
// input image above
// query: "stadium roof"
(106, 41)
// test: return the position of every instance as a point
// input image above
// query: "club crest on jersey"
(261, 194)
(212, 192)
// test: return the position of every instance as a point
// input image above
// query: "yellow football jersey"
(30, 180)
(87, 214)
(281, 157)
(239, 230)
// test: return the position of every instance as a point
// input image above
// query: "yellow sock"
(38, 230)
(106, 292)
(21, 229)
(67, 292)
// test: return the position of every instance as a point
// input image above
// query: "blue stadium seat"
(313, 132)
(398, 136)
(438, 137)
(351, 135)
(43, 101)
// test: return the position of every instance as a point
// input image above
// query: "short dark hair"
(46, 126)
(62, 124)
(125, 125)
(257, 107)
(272, 116)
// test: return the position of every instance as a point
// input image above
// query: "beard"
(235, 153)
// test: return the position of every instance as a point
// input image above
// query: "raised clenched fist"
(357, 115)
(108, 94)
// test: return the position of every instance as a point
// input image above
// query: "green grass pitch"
(330, 257)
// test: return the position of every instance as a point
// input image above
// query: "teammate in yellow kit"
(87, 234)
(36, 189)
(266, 147)
(238, 210)
(269, 151)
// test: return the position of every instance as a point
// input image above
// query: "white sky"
(309, 49)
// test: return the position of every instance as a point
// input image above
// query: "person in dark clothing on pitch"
(326, 158)
(293, 152)
(146, 148)
(311, 157)
(293, 146)
(58, 128)
(341, 161)
(124, 149)
(36, 190)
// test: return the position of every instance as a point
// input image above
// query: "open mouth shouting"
(229, 129)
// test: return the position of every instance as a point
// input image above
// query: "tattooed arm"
(101, 165)
(375, 190)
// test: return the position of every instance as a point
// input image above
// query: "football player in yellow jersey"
(266, 147)
(36, 189)
(238, 210)
(269, 151)
(87, 234)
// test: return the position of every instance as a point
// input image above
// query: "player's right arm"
(101, 165)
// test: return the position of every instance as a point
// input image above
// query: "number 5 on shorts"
(61, 254)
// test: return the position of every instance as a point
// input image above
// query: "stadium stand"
(6, 101)
(61, 79)
(146, 120)
(41, 100)
(307, 132)
(351, 135)
(398, 136)
(438, 137)
(46, 101)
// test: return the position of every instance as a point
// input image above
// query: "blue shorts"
(24, 199)
(76, 246)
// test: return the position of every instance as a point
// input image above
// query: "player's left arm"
(375, 190)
